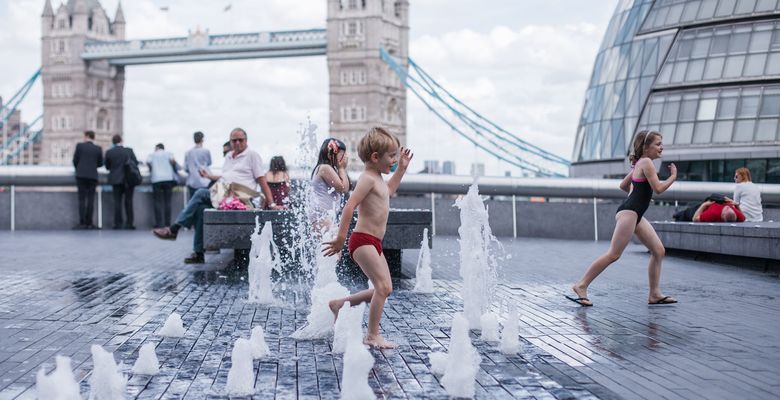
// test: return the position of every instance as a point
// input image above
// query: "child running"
(640, 183)
(381, 153)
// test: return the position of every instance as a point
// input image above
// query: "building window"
(352, 28)
(102, 117)
(61, 24)
(397, 9)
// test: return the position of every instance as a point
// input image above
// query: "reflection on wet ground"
(704, 347)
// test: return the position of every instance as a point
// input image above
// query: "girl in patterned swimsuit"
(640, 183)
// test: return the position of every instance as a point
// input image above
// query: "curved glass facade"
(705, 73)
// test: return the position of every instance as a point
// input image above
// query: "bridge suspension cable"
(484, 134)
(21, 141)
(7, 110)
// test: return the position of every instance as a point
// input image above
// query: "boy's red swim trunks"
(358, 239)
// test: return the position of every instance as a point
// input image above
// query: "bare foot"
(379, 342)
(335, 306)
(582, 294)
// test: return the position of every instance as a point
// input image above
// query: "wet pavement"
(64, 291)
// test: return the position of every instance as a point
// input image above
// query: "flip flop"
(665, 300)
(579, 300)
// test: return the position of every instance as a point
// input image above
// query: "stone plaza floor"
(64, 291)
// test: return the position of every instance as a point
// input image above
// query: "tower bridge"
(84, 54)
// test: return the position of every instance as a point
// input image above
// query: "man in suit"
(116, 158)
(87, 158)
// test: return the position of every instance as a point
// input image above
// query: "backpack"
(132, 173)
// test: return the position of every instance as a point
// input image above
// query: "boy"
(379, 151)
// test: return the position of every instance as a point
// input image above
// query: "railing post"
(100, 206)
(595, 221)
(13, 208)
(514, 216)
(433, 214)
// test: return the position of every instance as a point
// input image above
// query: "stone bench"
(744, 239)
(232, 230)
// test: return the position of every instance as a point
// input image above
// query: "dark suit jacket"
(87, 158)
(116, 157)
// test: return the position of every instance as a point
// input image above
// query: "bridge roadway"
(63, 291)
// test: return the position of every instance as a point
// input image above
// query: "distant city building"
(364, 91)
(477, 169)
(703, 73)
(432, 167)
(78, 95)
(507, 173)
(448, 168)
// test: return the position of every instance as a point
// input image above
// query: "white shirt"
(162, 170)
(747, 195)
(244, 168)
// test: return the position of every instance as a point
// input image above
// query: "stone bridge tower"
(78, 95)
(364, 91)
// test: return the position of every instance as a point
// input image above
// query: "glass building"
(704, 73)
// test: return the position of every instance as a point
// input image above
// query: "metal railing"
(444, 184)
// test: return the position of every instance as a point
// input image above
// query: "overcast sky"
(524, 64)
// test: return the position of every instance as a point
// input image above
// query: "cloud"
(529, 78)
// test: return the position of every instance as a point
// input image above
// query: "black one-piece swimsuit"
(639, 198)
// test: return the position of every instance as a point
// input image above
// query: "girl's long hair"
(329, 151)
(641, 141)
(278, 164)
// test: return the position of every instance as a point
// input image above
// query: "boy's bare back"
(374, 208)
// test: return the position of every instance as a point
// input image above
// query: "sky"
(523, 64)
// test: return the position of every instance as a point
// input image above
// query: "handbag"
(221, 190)
(132, 173)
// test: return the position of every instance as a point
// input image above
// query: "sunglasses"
(237, 140)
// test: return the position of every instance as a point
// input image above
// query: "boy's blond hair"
(376, 140)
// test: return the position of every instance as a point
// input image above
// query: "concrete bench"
(232, 230)
(744, 239)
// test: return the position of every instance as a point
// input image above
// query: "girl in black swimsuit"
(640, 182)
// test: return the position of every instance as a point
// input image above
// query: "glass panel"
(655, 112)
(716, 170)
(739, 43)
(671, 109)
(722, 132)
(760, 42)
(696, 70)
(728, 108)
(767, 130)
(733, 66)
(720, 45)
(748, 107)
(700, 47)
(775, 45)
(702, 132)
(745, 6)
(688, 110)
(679, 71)
(684, 133)
(773, 171)
(713, 68)
(725, 8)
(770, 105)
(754, 65)
(765, 5)
(674, 14)
(707, 109)
(757, 169)
(744, 131)
(773, 64)
(666, 74)
(707, 9)
(685, 49)
(689, 13)
(732, 165)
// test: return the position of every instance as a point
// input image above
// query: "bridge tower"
(364, 91)
(78, 95)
